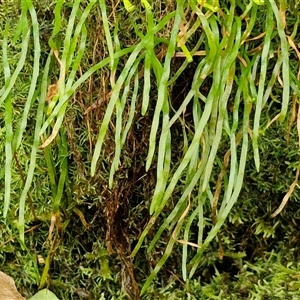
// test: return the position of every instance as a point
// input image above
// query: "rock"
(8, 290)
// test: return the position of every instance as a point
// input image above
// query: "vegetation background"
(150, 149)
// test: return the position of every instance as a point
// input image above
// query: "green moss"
(98, 227)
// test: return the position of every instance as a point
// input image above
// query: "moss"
(90, 249)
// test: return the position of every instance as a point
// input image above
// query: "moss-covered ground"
(80, 246)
